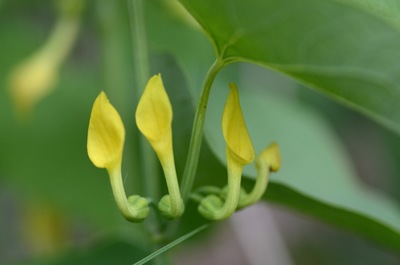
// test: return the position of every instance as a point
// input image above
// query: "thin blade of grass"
(171, 245)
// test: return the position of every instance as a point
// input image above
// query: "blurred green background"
(57, 208)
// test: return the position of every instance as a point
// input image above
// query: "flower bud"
(239, 152)
(106, 135)
(154, 120)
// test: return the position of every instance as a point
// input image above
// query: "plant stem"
(171, 245)
(149, 166)
(197, 131)
(139, 39)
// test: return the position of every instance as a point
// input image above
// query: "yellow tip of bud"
(154, 111)
(272, 156)
(106, 134)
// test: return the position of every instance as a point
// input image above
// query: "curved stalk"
(197, 131)
(134, 208)
(212, 207)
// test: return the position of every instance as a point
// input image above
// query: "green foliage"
(350, 54)
(348, 50)
(363, 225)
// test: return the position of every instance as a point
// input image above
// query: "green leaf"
(362, 225)
(387, 10)
(348, 51)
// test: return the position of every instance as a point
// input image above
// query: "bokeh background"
(57, 208)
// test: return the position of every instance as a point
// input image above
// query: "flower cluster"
(239, 152)
(154, 115)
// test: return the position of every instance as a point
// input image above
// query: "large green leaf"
(363, 225)
(349, 51)
(387, 10)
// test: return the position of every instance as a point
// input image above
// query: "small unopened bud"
(154, 120)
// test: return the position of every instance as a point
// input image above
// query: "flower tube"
(154, 120)
(239, 152)
(269, 160)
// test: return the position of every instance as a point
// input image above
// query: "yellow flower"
(271, 157)
(239, 152)
(154, 116)
(269, 160)
(154, 120)
(106, 135)
(237, 138)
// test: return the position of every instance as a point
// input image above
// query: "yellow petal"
(234, 129)
(31, 81)
(106, 134)
(272, 156)
(154, 112)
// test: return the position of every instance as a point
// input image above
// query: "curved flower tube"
(269, 160)
(239, 152)
(154, 120)
(106, 136)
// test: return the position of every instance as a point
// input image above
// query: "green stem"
(140, 52)
(134, 208)
(233, 193)
(149, 165)
(162, 258)
(171, 245)
(212, 207)
(259, 187)
(208, 190)
(197, 131)
(171, 205)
